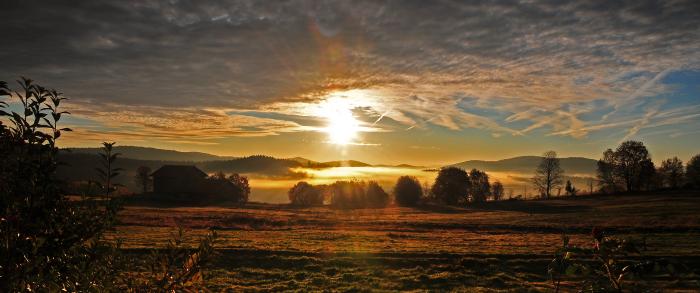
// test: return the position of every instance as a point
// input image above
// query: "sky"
(418, 82)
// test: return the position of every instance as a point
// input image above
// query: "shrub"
(607, 266)
(348, 194)
(375, 196)
(46, 240)
(451, 186)
(305, 194)
(407, 191)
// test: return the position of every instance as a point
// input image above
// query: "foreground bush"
(51, 244)
(608, 266)
(407, 191)
(305, 195)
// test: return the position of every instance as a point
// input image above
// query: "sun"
(342, 127)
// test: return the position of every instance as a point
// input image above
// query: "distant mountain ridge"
(81, 164)
(527, 164)
(154, 154)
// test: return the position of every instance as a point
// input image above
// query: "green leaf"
(571, 270)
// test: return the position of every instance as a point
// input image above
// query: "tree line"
(630, 168)
(627, 168)
(453, 186)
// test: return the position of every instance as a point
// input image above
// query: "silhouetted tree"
(629, 161)
(228, 188)
(606, 172)
(107, 172)
(570, 189)
(497, 190)
(648, 177)
(692, 171)
(427, 192)
(305, 194)
(548, 174)
(407, 191)
(451, 186)
(672, 172)
(480, 187)
(143, 178)
(348, 194)
(242, 183)
(375, 196)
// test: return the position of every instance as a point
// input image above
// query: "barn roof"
(179, 171)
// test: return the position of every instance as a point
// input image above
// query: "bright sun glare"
(342, 126)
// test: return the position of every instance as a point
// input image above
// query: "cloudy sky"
(423, 82)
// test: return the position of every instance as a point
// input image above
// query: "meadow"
(487, 247)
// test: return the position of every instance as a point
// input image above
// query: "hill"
(146, 153)
(345, 163)
(527, 164)
(77, 166)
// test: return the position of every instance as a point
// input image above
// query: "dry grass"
(504, 245)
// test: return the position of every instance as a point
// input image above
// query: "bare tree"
(548, 174)
(497, 191)
(143, 178)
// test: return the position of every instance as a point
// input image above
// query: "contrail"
(381, 116)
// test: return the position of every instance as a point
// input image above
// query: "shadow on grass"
(531, 206)
(526, 206)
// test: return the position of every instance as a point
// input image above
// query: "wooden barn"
(178, 179)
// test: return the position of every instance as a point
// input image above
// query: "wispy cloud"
(168, 69)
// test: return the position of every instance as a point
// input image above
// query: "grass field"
(495, 246)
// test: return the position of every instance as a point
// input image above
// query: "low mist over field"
(271, 178)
